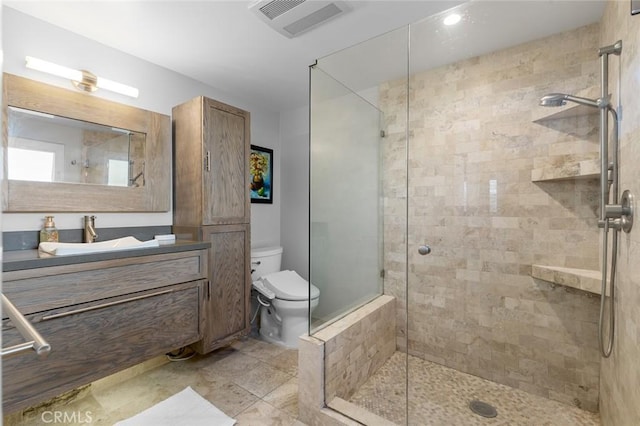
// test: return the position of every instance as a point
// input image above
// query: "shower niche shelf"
(566, 111)
(586, 169)
(582, 279)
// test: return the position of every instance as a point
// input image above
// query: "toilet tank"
(265, 260)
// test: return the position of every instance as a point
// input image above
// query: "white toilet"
(287, 293)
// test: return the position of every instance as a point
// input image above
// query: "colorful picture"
(261, 169)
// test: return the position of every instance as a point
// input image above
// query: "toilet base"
(273, 340)
(277, 341)
(285, 321)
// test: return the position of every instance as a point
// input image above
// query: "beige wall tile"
(620, 374)
(472, 303)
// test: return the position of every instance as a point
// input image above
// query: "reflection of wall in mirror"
(35, 160)
(61, 140)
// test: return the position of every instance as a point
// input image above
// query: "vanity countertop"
(29, 259)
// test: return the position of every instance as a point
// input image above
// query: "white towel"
(186, 408)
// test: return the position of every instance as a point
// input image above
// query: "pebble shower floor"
(440, 396)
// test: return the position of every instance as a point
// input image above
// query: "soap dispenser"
(49, 233)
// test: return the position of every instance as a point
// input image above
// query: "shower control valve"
(611, 223)
(424, 250)
(615, 211)
(619, 216)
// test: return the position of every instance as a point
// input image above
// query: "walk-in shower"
(612, 216)
(420, 146)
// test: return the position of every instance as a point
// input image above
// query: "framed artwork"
(635, 7)
(261, 169)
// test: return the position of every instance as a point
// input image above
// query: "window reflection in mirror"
(48, 148)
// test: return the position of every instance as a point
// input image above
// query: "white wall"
(294, 221)
(160, 90)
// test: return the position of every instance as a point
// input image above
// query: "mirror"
(50, 148)
(67, 151)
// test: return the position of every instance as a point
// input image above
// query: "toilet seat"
(288, 285)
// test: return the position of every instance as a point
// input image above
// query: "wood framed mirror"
(67, 151)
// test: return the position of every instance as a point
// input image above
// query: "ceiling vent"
(294, 17)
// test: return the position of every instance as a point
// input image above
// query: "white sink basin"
(125, 243)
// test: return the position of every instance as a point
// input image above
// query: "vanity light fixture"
(81, 79)
(452, 19)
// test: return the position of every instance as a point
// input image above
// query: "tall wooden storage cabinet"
(211, 193)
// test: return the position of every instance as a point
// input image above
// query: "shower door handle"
(424, 250)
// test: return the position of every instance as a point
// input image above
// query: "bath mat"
(186, 408)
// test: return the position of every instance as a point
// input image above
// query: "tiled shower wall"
(620, 374)
(473, 305)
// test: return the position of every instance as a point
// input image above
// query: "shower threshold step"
(581, 279)
(360, 414)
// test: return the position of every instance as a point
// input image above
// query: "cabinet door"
(93, 340)
(227, 303)
(226, 151)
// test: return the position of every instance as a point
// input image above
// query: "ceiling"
(224, 44)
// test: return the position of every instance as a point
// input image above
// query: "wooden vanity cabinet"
(99, 318)
(212, 204)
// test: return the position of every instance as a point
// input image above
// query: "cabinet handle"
(209, 290)
(104, 305)
(207, 161)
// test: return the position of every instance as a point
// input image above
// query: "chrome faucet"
(90, 234)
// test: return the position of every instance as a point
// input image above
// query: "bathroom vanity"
(100, 313)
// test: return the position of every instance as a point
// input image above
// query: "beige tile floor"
(255, 383)
(251, 381)
(440, 396)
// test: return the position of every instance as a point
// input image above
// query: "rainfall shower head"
(559, 99)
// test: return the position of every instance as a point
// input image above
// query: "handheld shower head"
(559, 99)
(553, 100)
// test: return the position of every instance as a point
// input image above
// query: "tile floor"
(440, 396)
(256, 383)
(251, 381)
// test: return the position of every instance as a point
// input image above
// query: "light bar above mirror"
(81, 79)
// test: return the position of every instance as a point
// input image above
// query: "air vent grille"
(314, 19)
(277, 7)
(294, 17)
